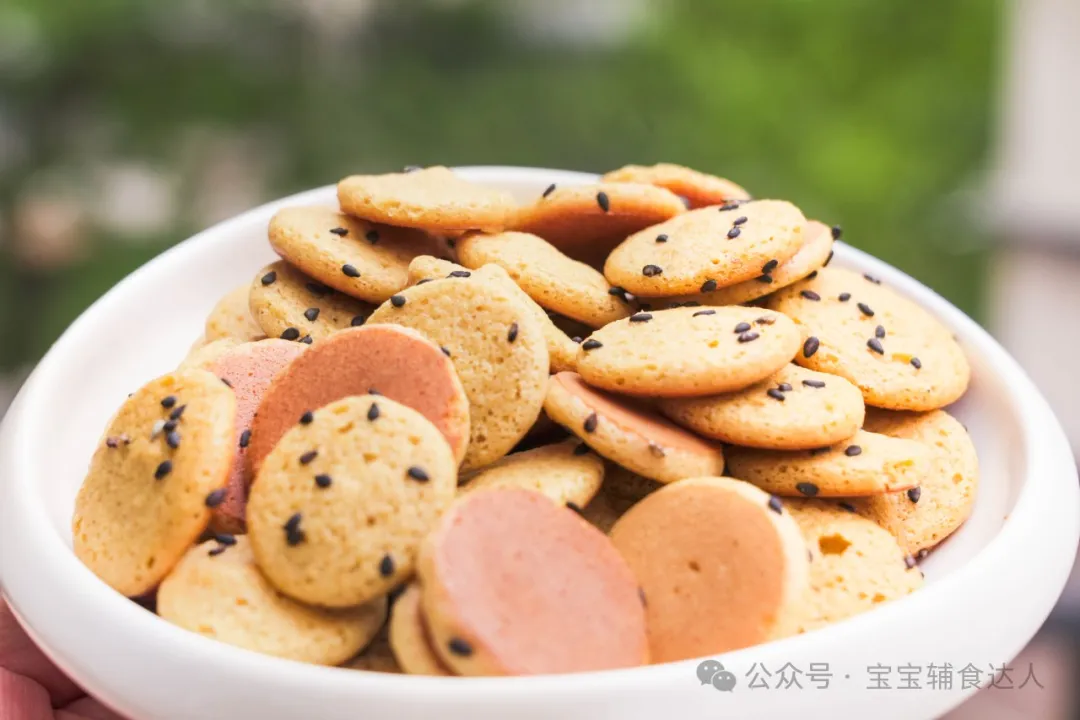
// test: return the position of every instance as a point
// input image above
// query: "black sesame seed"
(225, 382)
(323, 480)
(872, 279)
(168, 401)
(909, 562)
(591, 344)
(340, 231)
(852, 450)
(269, 278)
(308, 456)
(215, 498)
(784, 387)
(581, 449)
(875, 345)
(357, 321)
(766, 320)
(169, 425)
(421, 281)
(812, 275)
(764, 279)
(603, 201)
(742, 327)
(306, 418)
(445, 350)
(916, 363)
(847, 506)
(372, 236)
(923, 554)
(865, 309)
(225, 538)
(837, 231)
(570, 504)
(828, 259)
(245, 438)
(460, 647)
(775, 505)
(914, 494)
(386, 566)
(163, 469)
(176, 414)
(657, 450)
(808, 489)
(662, 238)
(708, 286)
(739, 220)
(576, 339)
(843, 297)
(810, 346)
(459, 274)
(350, 271)
(651, 270)
(775, 394)
(316, 289)
(810, 295)
(704, 312)
(418, 473)
(172, 439)
(306, 340)
(373, 391)
(548, 190)
(293, 534)
(640, 317)
(512, 334)
(217, 550)
(590, 423)
(290, 334)
(733, 233)
(814, 383)
(312, 314)
(748, 337)
(373, 412)
(769, 266)
(879, 332)
(729, 206)
(116, 440)
(397, 300)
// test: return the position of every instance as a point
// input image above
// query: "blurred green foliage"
(874, 115)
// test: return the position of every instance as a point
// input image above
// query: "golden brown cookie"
(342, 502)
(231, 318)
(433, 199)
(865, 464)
(698, 188)
(568, 473)
(900, 356)
(629, 434)
(795, 409)
(927, 514)
(625, 488)
(217, 591)
(148, 493)
(720, 563)
(702, 250)
(489, 333)
(290, 305)
(409, 638)
(586, 221)
(515, 585)
(688, 352)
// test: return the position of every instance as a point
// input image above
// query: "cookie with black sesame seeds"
(296, 307)
(376, 657)
(498, 349)
(340, 505)
(864, 464)
(549, 277)
(856, 564)
(688, 351)
(586, 221)
(434, 199)
(628, 433)
(687, 543)
(706, 249)
(143, 500)
(409, 638)
(364, 260)
(698, 188)
(795, 409)
(205, 354)
(497, 552)
(562, 351)
(898, 354)
(559, 471)
(223, 596)
(927, 514)
(231, 318)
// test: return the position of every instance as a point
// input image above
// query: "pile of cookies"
(626, 423)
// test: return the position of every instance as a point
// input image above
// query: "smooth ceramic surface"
(988, 589)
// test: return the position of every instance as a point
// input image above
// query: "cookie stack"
(449, 435)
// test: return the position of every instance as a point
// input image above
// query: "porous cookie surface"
(231, 318)
(552, 279)
(627, 433)
(795, 409)
(409, 637)
(433, 199)
(900, 356)
(217, 591)
(688, 351)
(361, 259)
(562, 351)
(925, 515)
(144, 499)
(248, 370)
(289, 305)
(707, 543)
(515, 585)
(497, 348)
(700, 189)
(566, 472)
(587, 221)
(865, 464)
(856, 564)
(708, 248)
(340, 505)
(394, 361)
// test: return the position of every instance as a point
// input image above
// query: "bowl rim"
(1045, 519)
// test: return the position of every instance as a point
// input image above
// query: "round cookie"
(433, 199)
(376, 657)
(900, 356)
(496, 346)
(624, 488)
(586, 221)
(925, 515)
(698, 188)
(363, 260)
(562, 351)
(394, 361)
(720, 563)
(795, 409)
(515, 585)
(708, 248)
(865, 464)
(248, 370)
(627, 433)
(231, 318)
(290, 305)
(144, 500)
(409, 637)
(856, 564)
(340, 505)
(553, 280)
(688, 351)
(567, 473)
(203, 355)
(217, 591)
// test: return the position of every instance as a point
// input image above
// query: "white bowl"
(989, 588)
